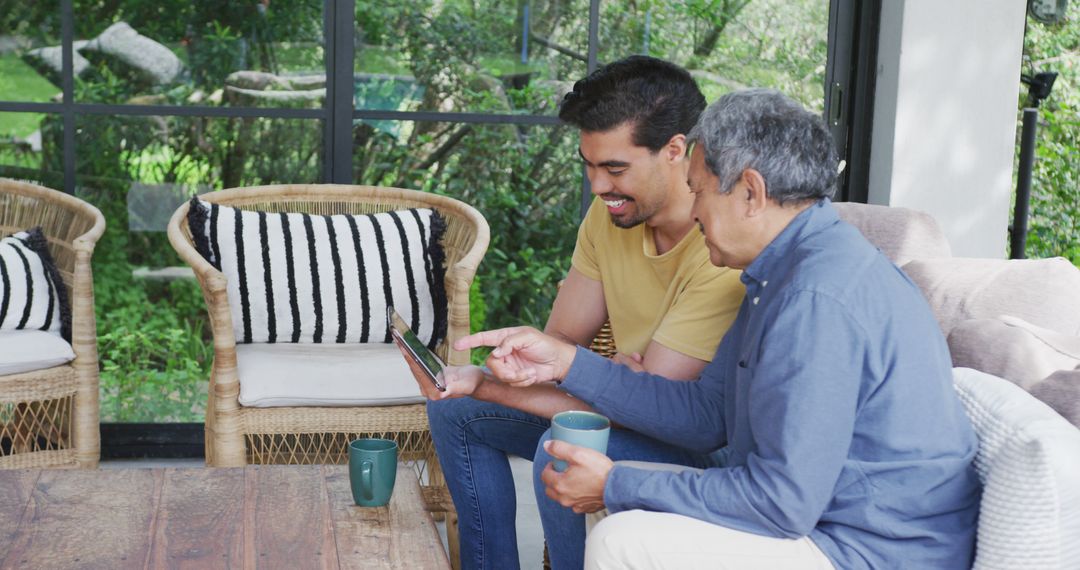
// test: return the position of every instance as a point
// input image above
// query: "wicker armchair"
(49, 418)
(236, 435)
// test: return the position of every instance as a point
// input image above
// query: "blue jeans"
(564, 530)
(473, 439)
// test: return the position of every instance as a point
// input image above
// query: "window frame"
(849, 82)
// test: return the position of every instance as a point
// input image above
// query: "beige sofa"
(1015, 319)
(1013, 328)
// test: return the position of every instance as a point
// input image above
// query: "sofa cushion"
(1013, 349)
(324, 279)
(1042, 292)
(32, 293)
(283, 375)
(1061, 391)
(1028, 461)
(901, 234)
(25, 351)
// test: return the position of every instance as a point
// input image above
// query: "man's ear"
(675, 149)
(757, 196)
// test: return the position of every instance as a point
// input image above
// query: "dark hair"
(659, 98)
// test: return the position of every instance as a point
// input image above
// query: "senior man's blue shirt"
(832, 398)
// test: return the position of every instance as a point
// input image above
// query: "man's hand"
(459, 380)
(523, 356)
(581, 486)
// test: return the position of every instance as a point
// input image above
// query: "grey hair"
(764, 130)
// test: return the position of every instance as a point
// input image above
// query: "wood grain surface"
(250, 517)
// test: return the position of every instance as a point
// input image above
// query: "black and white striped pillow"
(32, 294)
(326, 279)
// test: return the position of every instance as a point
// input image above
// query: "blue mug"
(587, 429)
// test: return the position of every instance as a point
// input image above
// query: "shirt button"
(756, 299)
(765, 283)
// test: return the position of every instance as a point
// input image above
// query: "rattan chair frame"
(236, 435)
(50, 417)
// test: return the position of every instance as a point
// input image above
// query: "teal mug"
(587, 429)
(372, 471)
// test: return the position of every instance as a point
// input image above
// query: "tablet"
(406, 338)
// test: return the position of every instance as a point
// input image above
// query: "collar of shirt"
(809, 222)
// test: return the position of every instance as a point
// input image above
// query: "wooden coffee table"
(251, 517)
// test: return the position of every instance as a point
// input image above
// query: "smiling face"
(631, 180)
(717, 215)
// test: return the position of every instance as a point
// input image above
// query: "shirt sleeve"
(585, 259)
(687, 414)
(802, 400)
(702, 313)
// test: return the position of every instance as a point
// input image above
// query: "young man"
(637, 262)
(845, 444)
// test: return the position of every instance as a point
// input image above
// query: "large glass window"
(22, 153)
(727, 44)
(30, 56)
(163, 100)
(153, 335)
(477, 56)
(525, 179)
(200, 53)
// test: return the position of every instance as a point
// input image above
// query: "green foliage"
(1055, 198)
(153, 341)
(459, 56)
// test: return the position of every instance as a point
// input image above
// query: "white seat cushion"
(282, 375)
(27, 350)
(1029, 464)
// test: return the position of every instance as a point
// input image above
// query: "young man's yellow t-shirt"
(679, 299)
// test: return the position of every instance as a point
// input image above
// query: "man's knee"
(450, 415)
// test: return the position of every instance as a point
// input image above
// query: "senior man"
(844, 443)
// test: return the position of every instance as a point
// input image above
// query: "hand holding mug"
(581, 486)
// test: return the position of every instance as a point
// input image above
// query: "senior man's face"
(715, 213)
(629, 179)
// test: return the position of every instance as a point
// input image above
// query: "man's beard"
(628, 221)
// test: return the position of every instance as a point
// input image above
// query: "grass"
(21, 83)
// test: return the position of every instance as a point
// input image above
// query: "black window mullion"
(343, 30)
(850, 74)
(328, 103)
(594, 48)
(67, 74)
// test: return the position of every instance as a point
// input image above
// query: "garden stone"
(255, 87)
(257, 81)
(306, 82)
(120, 43)
(249, 96)
(9, 43)
(48, 61)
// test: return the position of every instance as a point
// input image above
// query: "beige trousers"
(641, 539)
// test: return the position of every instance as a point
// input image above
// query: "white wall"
(945, 115)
